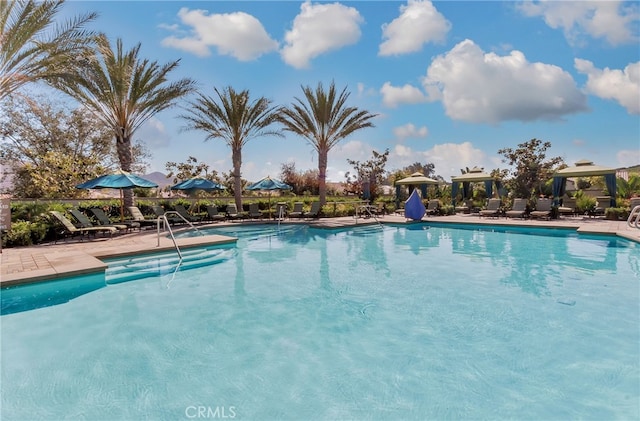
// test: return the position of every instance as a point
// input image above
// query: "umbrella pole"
(121, 206)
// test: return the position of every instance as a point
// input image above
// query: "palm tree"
(234, 118)
(124, 91)
(324, 120)
(31, 50)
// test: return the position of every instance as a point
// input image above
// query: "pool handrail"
(163, 218)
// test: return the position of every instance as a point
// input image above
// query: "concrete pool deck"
(68, 258)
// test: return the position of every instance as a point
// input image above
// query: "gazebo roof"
(584, 168)
(474, 174)
(417, 178)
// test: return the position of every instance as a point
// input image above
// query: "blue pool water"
(417, 322)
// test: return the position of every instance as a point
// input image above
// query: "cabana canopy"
(584, 168)
(414, 180)
(475, 175)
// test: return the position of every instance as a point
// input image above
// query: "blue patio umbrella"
(268, 184)
(117, 180)
(197, 183)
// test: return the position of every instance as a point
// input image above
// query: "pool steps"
(139, 267)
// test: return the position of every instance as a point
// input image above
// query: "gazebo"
(413, 181)
(475, 175)
(584, 168)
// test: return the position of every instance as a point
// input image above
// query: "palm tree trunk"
(125, 156)
(322, 175)
(236, 157)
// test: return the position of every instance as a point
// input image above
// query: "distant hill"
(159, 178)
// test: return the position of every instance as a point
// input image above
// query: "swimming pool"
(400, 322)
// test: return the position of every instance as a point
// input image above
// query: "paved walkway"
(50, 261)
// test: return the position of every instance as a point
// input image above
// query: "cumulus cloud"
(410, 131)
(447, 158)
(318, 29)
(614, 21)
(622, 86)
(481, 87)
(238, 34)
(393, 96)
(153, 134)
(419, 23)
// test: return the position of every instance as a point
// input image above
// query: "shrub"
(616, 214)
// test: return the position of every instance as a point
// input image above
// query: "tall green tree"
(50, 147)
(236, 119)
(371, 171)
(124, 91)
(34, 47)
(323, 119)
(530, 167)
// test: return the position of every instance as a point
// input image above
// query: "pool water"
(400, 322)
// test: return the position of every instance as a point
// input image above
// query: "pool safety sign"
(5, 214)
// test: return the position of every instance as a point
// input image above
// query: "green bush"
(25, 233)
(616, 214)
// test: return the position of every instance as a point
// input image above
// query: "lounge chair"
(72, 230)
(518, 210)
(138, 217)
(464, 207)
(568, 206)
(433, 207)
(160, 213)
(380, 209)
(104, 220)
(85, 222)
(314, 212)
(493, 208)
(254, 211)
(182, 211)
(602, 203)
(213, 214)
(232, 212)
(542, 210)
(297, 211)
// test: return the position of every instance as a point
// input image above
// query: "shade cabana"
(415, 180)
(475, 175)
(584, 168)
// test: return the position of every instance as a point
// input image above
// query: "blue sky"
(452, 82)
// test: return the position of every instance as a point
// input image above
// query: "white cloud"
(393, 96)
(153, 134)
(615, 21)
(318, 29)
(447, 158)
(409, 130)
(238, 34)
(481, 87)
(419, 23)
(622, 86)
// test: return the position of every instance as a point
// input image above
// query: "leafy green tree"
(233, 117)
(324, 119)
(628, 188)
(302, 182)
(371, 171)
(50, 148)
(34, 47)
(190, 169)
(530, 167)
(124, 91)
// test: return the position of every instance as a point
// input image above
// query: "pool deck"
(68, 258)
